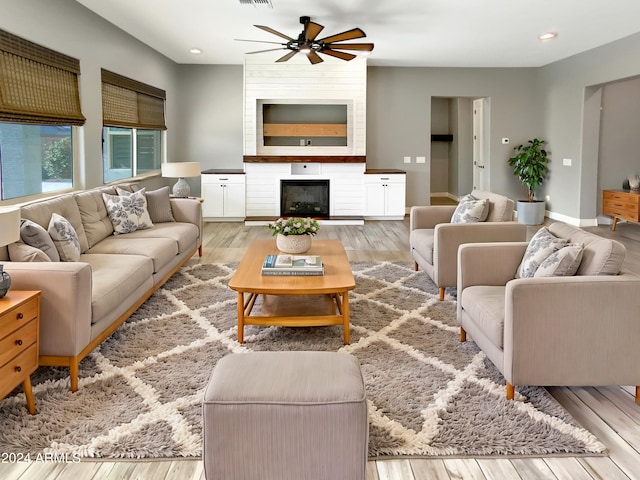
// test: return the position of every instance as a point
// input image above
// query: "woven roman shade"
(129, 103)
(37, 85)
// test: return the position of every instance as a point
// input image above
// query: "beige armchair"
(434, 241)
(580, 330)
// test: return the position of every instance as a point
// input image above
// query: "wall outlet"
(421, 159)
(407, 159)
(303, 142)
(566, 162)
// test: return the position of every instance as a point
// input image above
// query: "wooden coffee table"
(294, 301)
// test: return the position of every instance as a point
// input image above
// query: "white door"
(480, 157)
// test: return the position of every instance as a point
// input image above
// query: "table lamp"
(9, 233)
(181, 170)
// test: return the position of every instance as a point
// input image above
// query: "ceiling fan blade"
(287, 56)
(351, 46)
(257, 41)
(348, 35)
(262, 51)
(314, 57)
(275, 32)
(341, 55)
(311, 30)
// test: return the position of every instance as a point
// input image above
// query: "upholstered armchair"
(434, 240)
(569, 330)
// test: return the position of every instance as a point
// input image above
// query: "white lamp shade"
(9, 225)
(181, 169)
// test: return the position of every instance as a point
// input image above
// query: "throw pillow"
(470, 210)
(159, 205)
(36, 236)
(64, 238)
(561, 263)
(542, 245)
(21, 252)
(127, 212)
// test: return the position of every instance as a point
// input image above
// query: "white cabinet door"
(234, 200)
(395, 199)
(213, 200)
(375, 199)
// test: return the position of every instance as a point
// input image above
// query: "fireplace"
(304, 198)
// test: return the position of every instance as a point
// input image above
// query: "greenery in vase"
(530, 165)
(294, 226)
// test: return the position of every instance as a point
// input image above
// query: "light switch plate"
(566, 162)
(421, 159)
(407, 159)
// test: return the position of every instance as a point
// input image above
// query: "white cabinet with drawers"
(384, 195)
(223, 196)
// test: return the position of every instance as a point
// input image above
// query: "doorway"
(480, 145)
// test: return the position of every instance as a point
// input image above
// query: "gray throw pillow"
(33, 234)
(21, 252)
(561, 263)
(470, 210)
(159, 205)
(541, 246)
(65, 238)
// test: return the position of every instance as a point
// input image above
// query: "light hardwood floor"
(610, 413)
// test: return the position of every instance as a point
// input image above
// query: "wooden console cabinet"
(621, 204)
(19, 325)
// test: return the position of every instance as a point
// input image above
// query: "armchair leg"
(441, 294)
(510, 391)
(638, 395)
(415, 265)
(463, 335)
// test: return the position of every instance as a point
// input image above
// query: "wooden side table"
(19, 337)
(621, 204)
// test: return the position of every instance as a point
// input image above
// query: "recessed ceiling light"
(195, 51)
(548, 36)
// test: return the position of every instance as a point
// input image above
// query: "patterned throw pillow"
(541, 246)
(36, 236)
(470, 210)
(21, 252)
(561, 263)
(127, 212)
(64, 238)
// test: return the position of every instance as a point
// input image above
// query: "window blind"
(37, 85)
(129, 103)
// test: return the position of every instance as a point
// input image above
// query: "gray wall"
(69, 28)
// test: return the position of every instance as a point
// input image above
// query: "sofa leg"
(200, 250)
(73, 374)
(441, 294)
(510, 391)
(638, 394)
(463, 335)
(415, 265)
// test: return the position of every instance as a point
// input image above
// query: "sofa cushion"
(542, 245)
(64, 238)
(470, 210)
(159, 205)
(93, 212)
(113, 278)
(422, 240)
(21, 252)
(485, 304)
(561, 263)
(184, 234)
(160, 250)
(41, 211)
(127, 212)
(601, 256)
(37, 237)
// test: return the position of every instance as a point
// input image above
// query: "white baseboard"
(576, 222)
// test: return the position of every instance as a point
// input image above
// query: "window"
(39, 104)
(133, 118)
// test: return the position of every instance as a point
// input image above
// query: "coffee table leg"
(345, 318)
(240, 317)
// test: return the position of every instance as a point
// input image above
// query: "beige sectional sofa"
(574, 330)
(84, 301)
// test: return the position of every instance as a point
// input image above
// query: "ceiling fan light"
(306, 48)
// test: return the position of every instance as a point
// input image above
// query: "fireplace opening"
(304, 198)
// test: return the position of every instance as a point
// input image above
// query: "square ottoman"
(285, 415)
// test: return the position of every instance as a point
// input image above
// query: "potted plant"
(293, 235)
(530, 166)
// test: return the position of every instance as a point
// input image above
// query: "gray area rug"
(429, 395)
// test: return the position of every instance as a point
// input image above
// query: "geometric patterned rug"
(429, 395)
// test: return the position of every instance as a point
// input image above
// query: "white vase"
(293, 243)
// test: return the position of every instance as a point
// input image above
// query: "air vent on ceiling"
(257, 3)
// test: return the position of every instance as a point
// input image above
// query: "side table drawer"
(17, 317)
(17, 341)
(17, 369)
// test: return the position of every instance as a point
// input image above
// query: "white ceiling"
(437, 33)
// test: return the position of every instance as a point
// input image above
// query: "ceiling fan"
(307, 43)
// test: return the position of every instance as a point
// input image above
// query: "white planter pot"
(531, 213)
(293, 243)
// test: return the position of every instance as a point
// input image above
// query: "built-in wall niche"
(308, 127)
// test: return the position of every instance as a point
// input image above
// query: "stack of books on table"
(284, 264)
